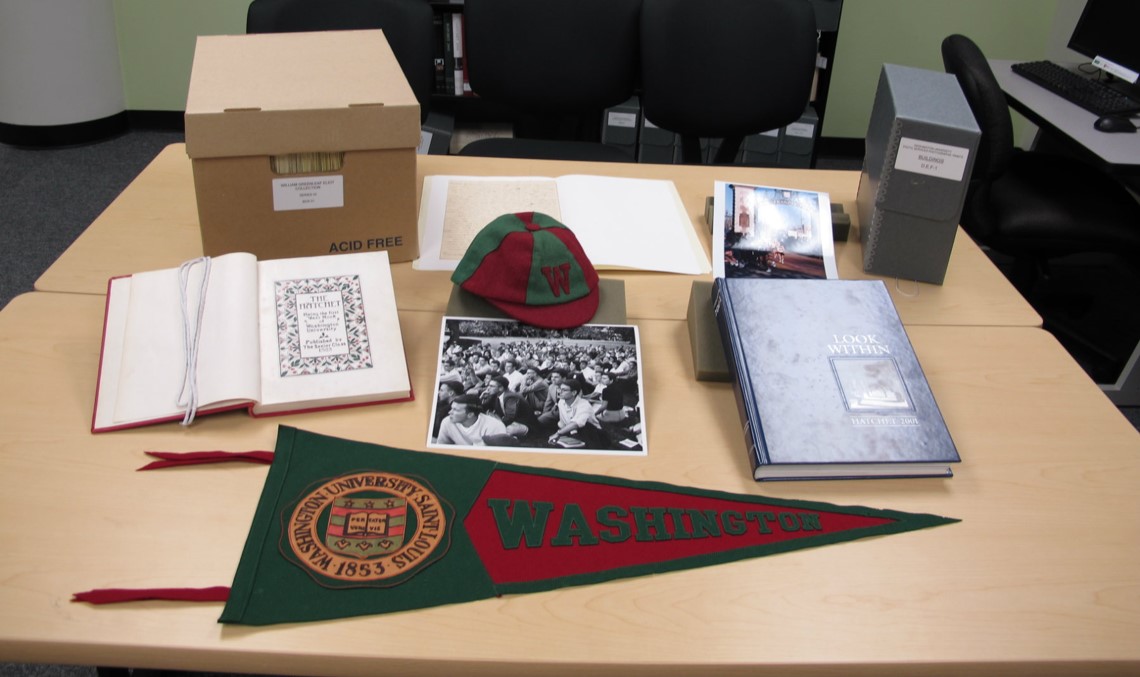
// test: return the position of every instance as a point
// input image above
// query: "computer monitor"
(1108, 32)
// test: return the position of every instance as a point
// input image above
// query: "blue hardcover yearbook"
(827, 382)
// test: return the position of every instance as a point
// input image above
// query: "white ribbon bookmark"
(191, 334)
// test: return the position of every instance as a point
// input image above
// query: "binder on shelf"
(620, 125)
(448, 54)
(458, 64)
(656, 145)
(436, 133)
(798, 139)
(439, 56)
(761, 149)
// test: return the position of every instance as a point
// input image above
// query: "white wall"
(59, 62)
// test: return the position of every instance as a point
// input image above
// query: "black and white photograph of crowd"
(507, 385)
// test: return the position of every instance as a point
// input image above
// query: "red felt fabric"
(558, 316)
(505, 272)
(116, 595)
(172, 459)
(525, 564)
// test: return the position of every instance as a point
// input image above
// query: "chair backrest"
(407, 25)
(726, 68)
(964, 60)
(552, 58)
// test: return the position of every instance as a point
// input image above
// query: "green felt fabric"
(415, 529)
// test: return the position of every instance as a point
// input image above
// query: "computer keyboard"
(1095, 97)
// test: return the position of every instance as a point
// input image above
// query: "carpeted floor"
(49, 196)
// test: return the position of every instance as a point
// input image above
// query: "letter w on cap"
(558, 278)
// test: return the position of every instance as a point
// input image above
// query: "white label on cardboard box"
(619, 119)
(932, 159)
(308, 192)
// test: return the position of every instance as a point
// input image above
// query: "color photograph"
(768, 232)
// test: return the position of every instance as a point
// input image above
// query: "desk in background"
(1040, 577)
(1120, 153)
(1054, 114)
(154, 224)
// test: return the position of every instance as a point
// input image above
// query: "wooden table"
(154, 224)
(1041, 577)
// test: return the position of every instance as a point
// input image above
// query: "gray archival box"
(919, 154)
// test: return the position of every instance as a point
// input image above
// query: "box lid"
(280, 93)
(931, 97)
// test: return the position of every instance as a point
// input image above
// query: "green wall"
(910, 33)
(156, 43)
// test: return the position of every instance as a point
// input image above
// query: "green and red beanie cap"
(532, 268)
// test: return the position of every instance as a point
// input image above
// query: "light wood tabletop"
(153, 224)
(1040, 577)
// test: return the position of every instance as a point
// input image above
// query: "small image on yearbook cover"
(871, 383)
(768, 232)
(506, 385)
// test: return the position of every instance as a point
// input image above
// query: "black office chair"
(407, 25)
(725, 68)
(1036, 207)
(557, 64)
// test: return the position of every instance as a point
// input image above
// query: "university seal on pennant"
(362, 527)
(366, 529)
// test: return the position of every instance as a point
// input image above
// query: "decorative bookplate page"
(321, 326)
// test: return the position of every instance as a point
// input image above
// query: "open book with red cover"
(230, 332)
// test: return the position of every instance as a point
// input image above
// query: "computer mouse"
(1114, 123)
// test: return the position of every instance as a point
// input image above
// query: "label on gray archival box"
(618, 119)
(804, 130)
(932, 159)
(308, 192)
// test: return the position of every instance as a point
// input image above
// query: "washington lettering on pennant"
(534, 529)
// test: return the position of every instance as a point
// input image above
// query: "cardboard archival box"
(920, 150)
(303, 144)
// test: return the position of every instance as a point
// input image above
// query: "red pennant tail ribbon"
(212, 594)
(115, 595)
(171, 459)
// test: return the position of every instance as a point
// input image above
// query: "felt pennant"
(348, 528)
